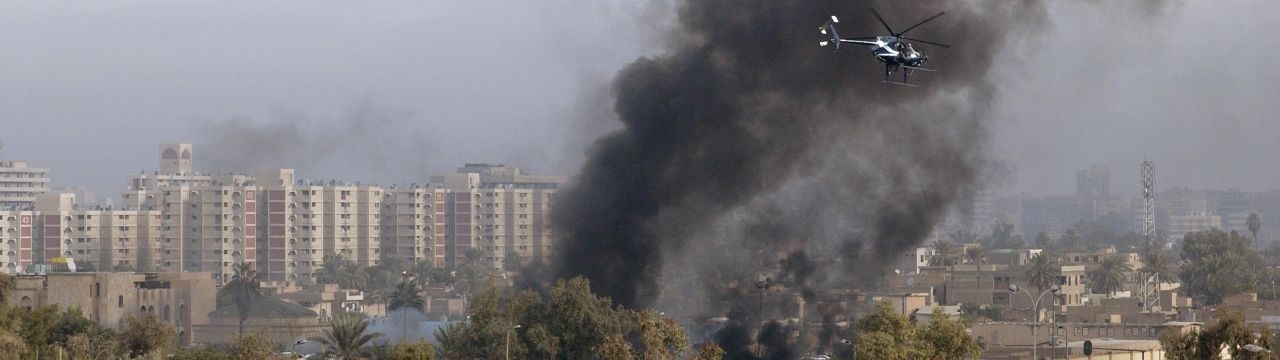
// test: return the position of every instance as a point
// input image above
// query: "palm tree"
(1158, 262)
(1043, 271)
(335, 269)
(346, 338)
(1109, 276)
(378, 284)
(973, 255)
(1254, 223)
(944, 253)
(243, 289)
(406, 296)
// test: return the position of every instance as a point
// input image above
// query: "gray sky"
(90, 89)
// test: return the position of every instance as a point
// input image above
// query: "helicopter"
(894, 50)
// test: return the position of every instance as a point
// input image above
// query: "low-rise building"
(179, 299)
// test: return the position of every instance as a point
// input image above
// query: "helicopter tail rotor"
(829, 29)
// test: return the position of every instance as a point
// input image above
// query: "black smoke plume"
(745, 110)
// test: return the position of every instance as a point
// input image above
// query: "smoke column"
(745, 110)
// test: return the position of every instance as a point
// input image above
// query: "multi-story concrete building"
(1093, 182)
(17, 235)
(352, 222)
(1180, 225)
(19, 185)
(303, 222)
(97, 239)
(409, 226)
(499, 210)
(205, 224)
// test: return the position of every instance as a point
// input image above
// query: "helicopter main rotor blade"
(926, 42)
(886, 25)
(921, 23)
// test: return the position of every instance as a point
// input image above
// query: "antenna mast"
(1150, 283)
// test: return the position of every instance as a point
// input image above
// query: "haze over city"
(1112, 85)
(666, 179)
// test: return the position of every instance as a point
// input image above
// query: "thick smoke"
(746, 111)
(365, 139)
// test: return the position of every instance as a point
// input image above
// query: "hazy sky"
(90, 89)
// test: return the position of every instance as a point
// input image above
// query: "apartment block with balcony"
(17, 237)
(500, 210)
(409, 226)
(20, 184)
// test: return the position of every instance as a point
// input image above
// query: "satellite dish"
(71, 265)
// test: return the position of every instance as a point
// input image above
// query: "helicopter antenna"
(886, 25)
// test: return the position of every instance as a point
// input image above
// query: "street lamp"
(1035, 338)
(404, 314)
(507, 345)
(763, 282)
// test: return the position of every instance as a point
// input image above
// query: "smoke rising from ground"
(746, 112)
(366, 139)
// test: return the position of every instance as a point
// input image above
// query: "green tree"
(208, 352)
(413, 351)
(710, 351)
(1231, 333)
(945, 253)
(379, 284)
(947, 339)
(567, 322)
(334, 269)
(146, 334)
(243, 290)
(472, 270)
(347, 336)
(615, 348)
(37, 327)
(1046, 243)
(406, 296)
(662, 337)
(1254, 223)
(974, 255)
(1002, 235)
(878, 345)
(7, 285)
(886, 334)
(1042, 272)
(256, 345)
(1108, 277)
(1159, 262)
(1215, 264)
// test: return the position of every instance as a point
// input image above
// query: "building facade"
(20, 184)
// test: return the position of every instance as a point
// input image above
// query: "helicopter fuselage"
(891, 51)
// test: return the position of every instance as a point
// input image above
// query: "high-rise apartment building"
(204, 223)
(409, 223)
(97, 239)
(17, 231)
(303, 222)
(499, 210)
(1094, 182)
(353, 228)
(19, 185)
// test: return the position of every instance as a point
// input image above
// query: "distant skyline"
(90, 90)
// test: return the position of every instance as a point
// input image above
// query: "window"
(120, 301)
